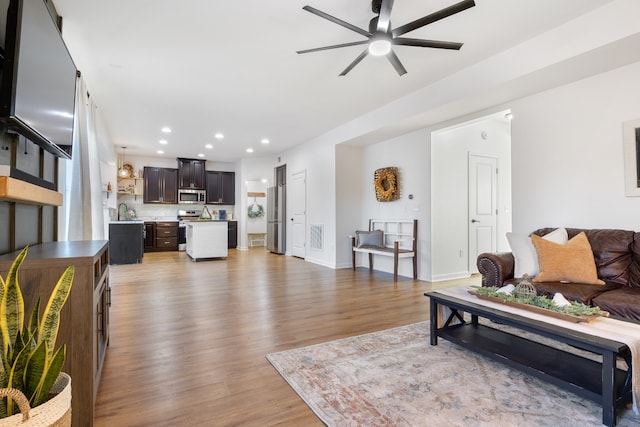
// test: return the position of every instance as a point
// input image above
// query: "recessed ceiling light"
(200, 155)
(166, 129)
(218, 135)
(265, 141)
(209, 146)
(264, 180)
(249, 150)
(163, 142)
(160, 152)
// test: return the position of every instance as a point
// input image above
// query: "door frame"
(297, 218)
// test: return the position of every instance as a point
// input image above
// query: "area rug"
(395, 378)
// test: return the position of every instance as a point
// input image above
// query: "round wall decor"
(385, 182)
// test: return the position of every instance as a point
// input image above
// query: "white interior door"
(298, 203)
(483, 206)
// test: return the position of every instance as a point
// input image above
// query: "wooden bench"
(399, 240)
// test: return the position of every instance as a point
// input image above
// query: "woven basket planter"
(55, 412)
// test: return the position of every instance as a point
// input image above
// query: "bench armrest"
(495, 267)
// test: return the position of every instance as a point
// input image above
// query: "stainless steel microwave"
(192, 196)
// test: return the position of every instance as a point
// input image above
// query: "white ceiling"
(207, 66)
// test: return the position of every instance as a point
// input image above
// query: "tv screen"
(38, 78)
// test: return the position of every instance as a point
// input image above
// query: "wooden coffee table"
(601, 382)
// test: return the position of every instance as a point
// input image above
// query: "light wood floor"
(188, 340)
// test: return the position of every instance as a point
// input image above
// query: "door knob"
(474, 220)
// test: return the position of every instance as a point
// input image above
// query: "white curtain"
(83, 213)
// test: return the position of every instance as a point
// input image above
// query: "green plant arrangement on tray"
(541, 301)
(30, 363)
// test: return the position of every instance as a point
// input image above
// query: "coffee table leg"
(474, 319)
(433, 316)
(608, 389)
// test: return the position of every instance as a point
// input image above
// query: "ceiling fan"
(380, 36)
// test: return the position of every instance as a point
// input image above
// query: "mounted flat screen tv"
(37, 93)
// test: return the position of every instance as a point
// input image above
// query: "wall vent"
(316, 236)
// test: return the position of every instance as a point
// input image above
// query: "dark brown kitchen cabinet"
(160, 185)
(149, 236)
(221, 188)
(191, 174)
(167, 236)
(232, 229)
(161, 236)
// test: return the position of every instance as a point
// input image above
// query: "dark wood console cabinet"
(84, 326)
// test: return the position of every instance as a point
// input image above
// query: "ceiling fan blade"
(335, 46)
(395, 61)
(436, 16)
(403, 41)
(384, 18)
(355, 62)
(337, 21)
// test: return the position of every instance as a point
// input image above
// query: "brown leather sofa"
(617, 258)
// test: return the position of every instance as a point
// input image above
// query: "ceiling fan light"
(379, 47)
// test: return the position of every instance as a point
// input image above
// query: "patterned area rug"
(395, 378)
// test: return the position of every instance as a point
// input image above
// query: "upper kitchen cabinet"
(191, 174)
(221, 188)
(160, 185)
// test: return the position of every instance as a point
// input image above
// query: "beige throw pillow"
(524, 254)
(572, 262)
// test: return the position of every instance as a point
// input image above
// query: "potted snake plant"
(31, 365)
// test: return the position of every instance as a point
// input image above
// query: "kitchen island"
(207, 239)
(126, 239)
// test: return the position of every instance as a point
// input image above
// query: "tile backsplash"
(152, 211)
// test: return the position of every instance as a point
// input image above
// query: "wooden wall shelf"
(15, 190)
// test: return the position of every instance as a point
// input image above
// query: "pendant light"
(123, 172)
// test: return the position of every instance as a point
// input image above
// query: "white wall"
(568, 154)
(349, 195)
(411, 155)
(318, 160)
(567, 169)
(450, 148)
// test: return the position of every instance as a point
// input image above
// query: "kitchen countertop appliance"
(185, 215)
(192, 196)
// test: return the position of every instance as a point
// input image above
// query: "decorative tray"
(545, 311)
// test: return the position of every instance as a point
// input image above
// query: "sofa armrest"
(495, 267)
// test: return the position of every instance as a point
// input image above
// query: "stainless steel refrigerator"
(276, 226)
